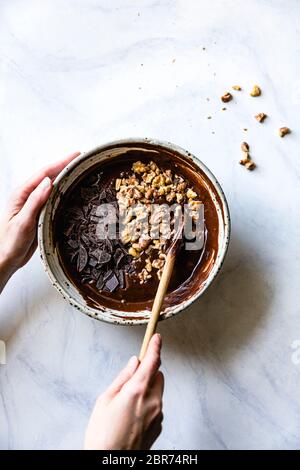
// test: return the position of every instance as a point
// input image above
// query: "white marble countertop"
(77, 73)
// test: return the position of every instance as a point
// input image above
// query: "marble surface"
(77, 73)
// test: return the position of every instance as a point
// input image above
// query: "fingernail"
(158, 339)
(45, 183)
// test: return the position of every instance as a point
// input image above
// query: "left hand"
(18, 228)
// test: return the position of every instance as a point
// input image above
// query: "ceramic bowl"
(68, 176)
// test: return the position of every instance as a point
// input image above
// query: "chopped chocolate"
(82, 258)
(118, 256)
(93, 258)
(93, 262)
(99, 284)
(121, 278)
(89, 193)
(112, 283)
(73, 256)
(73, 243)
(101, 256)
(69, 230)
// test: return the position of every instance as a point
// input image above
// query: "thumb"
(124, 376)
(35, 201)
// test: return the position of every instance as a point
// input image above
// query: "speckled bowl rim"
(99, 314)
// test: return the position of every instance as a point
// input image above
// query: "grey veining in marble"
(76, 73)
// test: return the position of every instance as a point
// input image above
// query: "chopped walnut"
(284, 131)
(191, 194)
(250, 165)
(171, 196)
(148, 177)
(226, 97)
(158, 181)
(149, 184)
(139, 167)
(245, 147)
(237, 87)
(149, 193)
(181, 186)
(133, 252)
(179, 198)
(148, 265)
(246, 160)
(256, 91)
(157, 263)
(118, 184)
(260, 117)
(144, 275)
(144, 242)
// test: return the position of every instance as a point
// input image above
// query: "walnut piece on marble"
(247, 161)
(284, 131)
(226, 97)
(256, 91)
(245, 147)
(260, 117)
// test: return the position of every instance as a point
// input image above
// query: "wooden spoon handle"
(158, 301)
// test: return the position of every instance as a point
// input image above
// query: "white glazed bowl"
(62, 183)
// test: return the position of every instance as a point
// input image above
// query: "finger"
(51, 171)
(54, 169)
(124, 376)
(29, 212)
(151, 362)
(158, 384)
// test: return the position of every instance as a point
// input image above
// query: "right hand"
(128, 416)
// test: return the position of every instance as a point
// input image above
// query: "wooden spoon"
(161, 290)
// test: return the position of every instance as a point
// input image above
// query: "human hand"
(128, 416)
(19, 225)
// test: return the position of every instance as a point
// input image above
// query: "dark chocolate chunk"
(118, 256)
(108, 245)
(102, 195)
(73, 243)
(88, 193)
(100, 282)
(112, 283)
(107, 275)
(82, 259)
(121, 278)
(93, 262)
(75, 213)
(67, 232)
(85, 238)
(95, 273)
(73, 256)
(101, 256)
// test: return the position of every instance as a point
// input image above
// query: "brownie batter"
(104, 271)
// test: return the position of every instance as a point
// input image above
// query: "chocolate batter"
(191, 267)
